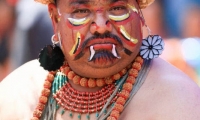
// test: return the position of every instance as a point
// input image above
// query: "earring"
(51, 57)
(152, 46)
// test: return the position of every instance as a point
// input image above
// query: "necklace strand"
(119, 100)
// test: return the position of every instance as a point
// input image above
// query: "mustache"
(98, 36)
(102, 36)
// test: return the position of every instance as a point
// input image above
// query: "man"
(100, 40)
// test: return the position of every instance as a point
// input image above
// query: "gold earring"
(50, 15)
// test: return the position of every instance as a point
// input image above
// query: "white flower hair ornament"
(152, 47)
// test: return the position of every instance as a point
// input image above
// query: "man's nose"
(100, 24)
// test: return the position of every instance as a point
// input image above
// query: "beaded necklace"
(63, 93)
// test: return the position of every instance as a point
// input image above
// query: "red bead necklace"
(83, 102)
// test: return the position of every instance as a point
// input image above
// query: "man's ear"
(54, 15)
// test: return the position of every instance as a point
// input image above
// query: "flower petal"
(146, 54)
(155, 52)
(144, 42)
(151, 55)
(160, 51)
(158, 47)
(142, 52)
(149, 40)
(158, 41)
(162, 43)
(144, 47)
(155, 37)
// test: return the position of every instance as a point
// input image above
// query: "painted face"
(99, 35)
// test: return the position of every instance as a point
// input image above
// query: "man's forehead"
(71, 2)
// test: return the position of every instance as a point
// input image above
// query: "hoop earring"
(152, 46)
(51, 57)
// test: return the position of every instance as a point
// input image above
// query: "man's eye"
(80, 13)
(118, 10)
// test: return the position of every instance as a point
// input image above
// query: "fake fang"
(126, 35)
(113, 51)
(76, 45)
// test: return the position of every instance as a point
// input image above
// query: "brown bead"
(127, 86)
(66, 70)
(139, 59)
(125, 94)
(50, 77)
(40, 106)
(37, 113)
(130, 79)
(76, 79)
(84, 82)
(70, 75)
(133, 72)
(45, 92)
(43, 99)
(136, 65)
(123, 72)
(121, 100)
(115, 114)
(108, 81)
(91, 83)
(118, 107)
(100, 82)
(116, 76)
(47, 84)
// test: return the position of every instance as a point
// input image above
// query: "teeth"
(92, 52)
(114, 52)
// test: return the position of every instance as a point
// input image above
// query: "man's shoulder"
(166, 94)
(30, 71)
(20, 90)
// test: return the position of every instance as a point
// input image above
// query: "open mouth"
(103, 52)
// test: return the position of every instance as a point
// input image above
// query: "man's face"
(98, 37)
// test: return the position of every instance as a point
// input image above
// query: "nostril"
(107, 22)
(93, 23)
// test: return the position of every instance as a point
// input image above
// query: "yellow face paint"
(78, 22)
(119, 18)
(126, 35)
(76, 45)
(132, 8)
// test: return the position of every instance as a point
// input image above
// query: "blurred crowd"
(25, 28)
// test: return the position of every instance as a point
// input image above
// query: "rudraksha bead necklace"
(119, 100)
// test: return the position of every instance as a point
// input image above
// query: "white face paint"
(133, 8)
(119, 18)
(78, 22)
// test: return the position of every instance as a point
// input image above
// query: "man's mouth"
(103, 51)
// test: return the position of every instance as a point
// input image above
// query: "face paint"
(126, 35)
(76, 45)
(132, 8)
(78, 22)
(119, 18)
(59, 16)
